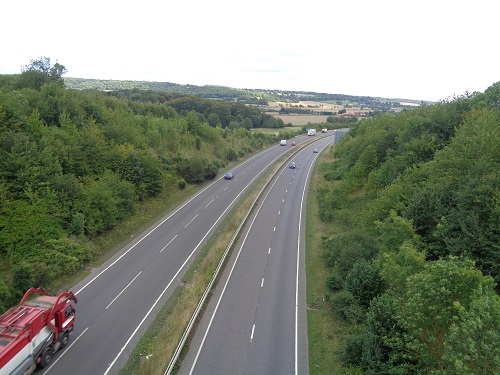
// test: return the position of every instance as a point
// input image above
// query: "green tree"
(247, 123)
(105, 201)
(472, 345)
(434, 301)
(213, 120)
(384, 339)
(364, 282)
(344, 250)
(145, 172)
(192, 170)
(39, 72)
(398, 265)
(456, 207)
(25, 228)
(394, 231)
(23, 277)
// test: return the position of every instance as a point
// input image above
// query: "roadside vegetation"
(407, 255)
(74, 165)
(403, 261)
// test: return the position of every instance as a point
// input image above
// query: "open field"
(310, 105)
(299, 120)
(316, 108)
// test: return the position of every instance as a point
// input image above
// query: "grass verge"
(326, 332)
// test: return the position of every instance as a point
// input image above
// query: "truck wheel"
(45, 358)
(64, 340)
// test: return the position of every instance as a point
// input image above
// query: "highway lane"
(255, 322)
(119, 300)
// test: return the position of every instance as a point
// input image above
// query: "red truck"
(31, 332)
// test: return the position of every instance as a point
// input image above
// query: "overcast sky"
(425, 50)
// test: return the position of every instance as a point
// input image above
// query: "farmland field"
(320, 108)
(299, 120)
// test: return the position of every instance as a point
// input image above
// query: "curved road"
(256, 321)
(118, 301)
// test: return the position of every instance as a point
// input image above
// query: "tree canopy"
(424, 188)
(74, 163)
(39, 72)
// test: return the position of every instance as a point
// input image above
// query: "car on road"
(315, 151)
(229, 176)
(293, 165)
(293, 143)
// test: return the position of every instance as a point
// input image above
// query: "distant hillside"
(248, 96)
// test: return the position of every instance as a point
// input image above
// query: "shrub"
(364, 282)
(345, 306)
(23, 277)
(345, 249)
(334, 281)
(353, 350)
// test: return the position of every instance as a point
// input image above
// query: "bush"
(364, 282)
(330, 200)
(7, 297)
(192, 170)
(334, 281)
(336, 171)
(182, 184)
(345, 249)
(231, 155)
(384, 344)
(211, 170)
(23, 277)
(345, 306)
(353, 350)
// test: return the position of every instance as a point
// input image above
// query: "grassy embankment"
(325, 330)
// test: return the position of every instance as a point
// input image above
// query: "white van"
(283, 142)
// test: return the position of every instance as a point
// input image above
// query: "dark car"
(292, 165)
(293, 143)
(229, 176)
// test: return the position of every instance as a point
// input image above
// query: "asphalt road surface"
(256, 322)
(118, 301)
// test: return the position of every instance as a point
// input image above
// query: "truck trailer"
(31, 332)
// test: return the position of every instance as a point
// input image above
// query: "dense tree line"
(215, 112)
(207, 91)
(74, 163)
(247, 96)
(416, 267)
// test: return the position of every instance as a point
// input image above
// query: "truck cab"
(31, 332)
